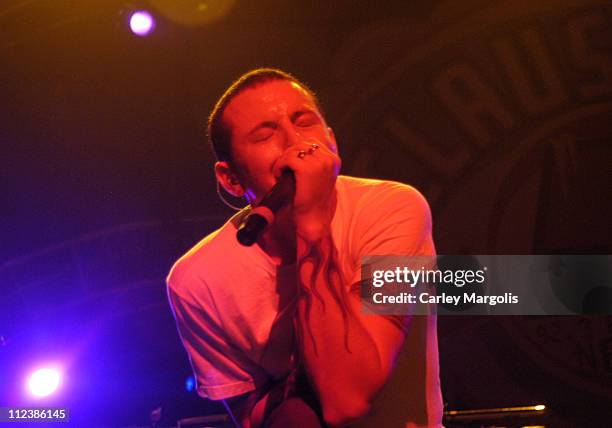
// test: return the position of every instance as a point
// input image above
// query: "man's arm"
(239, 408)
(348, 356)
(250, 410)
(221, 370)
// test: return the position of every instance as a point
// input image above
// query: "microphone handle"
(263, 215)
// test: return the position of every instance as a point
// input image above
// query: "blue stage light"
(190, 383)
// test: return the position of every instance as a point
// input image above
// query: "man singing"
(275, 330)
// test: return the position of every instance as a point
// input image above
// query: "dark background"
(499, 112)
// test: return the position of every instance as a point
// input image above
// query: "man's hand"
(316, 168)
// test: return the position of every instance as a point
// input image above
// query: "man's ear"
(332, 140)
(228, 179)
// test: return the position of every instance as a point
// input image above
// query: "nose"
(291, 134)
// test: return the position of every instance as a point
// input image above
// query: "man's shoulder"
(380, 194)
(383, 217)
(201, 259)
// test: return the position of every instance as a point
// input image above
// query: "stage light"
(142, 23)
(44, 382)
(189, 384)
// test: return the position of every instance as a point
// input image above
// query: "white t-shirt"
(230, 301)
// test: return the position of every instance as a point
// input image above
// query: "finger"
(306, 151)
(320, 146)
(291, 159)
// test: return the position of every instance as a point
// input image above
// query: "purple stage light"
(142, 23)
(44, 382)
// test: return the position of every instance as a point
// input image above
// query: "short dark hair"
(219, 133)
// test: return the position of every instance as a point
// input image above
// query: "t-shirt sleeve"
(394, 222)
(221, 369)
(397, 222)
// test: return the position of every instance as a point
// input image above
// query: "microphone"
(263, 214)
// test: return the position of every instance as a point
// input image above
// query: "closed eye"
(263, 131)
(306, 119)
(262, 134)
